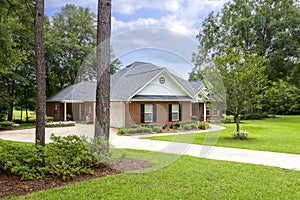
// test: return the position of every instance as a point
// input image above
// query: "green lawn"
(187, 178)
(17, 114)
(280, 134)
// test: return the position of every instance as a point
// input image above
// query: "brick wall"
(133, 112)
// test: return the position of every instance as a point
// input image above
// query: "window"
(208, 112)
(216, 112)
(148, 113)
(148, 116)
(174, 112)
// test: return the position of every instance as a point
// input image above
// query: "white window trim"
(175, 112)
(150, 112)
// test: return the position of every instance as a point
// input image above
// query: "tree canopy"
(267, 29)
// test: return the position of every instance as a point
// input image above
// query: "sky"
(162, 32)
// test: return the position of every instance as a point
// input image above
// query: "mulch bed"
(11, 185)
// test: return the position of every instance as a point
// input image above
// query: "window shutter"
(154, 113)
(170, 112)
(180, 112)
(142, 113)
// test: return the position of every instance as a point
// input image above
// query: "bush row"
(145, 128)
(150, 128)
(190, 125)
(60, 124)
(66, 157)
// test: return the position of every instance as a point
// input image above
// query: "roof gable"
(163, 84)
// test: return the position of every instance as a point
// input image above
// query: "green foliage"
(253, 116)
(139, 129)
(195, 118)
(241, 135)
(187, 178)
(87, 122)
(6, 125)
(157, 129)
(60, 124)
(49, 119)
(187, 127)
(122, 131)
(280, 134)
(98, 149)
(282, 98)
(66, 157)
(263, 29)
(203, 125)
(144, 128)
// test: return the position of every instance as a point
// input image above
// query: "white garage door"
(117, 114)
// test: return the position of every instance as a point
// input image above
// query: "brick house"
(140, 93)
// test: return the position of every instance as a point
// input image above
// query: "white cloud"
(130, 6)
(183, 16)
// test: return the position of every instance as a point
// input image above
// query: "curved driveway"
(282, 160)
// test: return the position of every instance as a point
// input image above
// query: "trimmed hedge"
(60, 124)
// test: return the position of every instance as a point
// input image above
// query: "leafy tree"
(40, 72)
(69, 41)
(244, 80)
(266, 28)
(16, 51)
(282, 98)
(102, 125)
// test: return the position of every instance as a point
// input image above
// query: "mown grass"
(17, 114)
(281, 134)
(187, 178)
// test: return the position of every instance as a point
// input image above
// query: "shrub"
(60, 124)
(122, 131)
(98, 147)
(6, 125)
(139, 129)
(194, 126)
(195, 118)
(228, 120)
(203, 125)
(157, 129)
(265, 115)
(175, 125)
(24, 161)
(187, 127)
(68, 157)
(49, 119)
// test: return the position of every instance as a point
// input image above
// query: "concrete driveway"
(282, 160)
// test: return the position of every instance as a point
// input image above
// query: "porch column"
(65, 111)
(204, 110)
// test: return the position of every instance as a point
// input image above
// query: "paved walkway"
(282, 160)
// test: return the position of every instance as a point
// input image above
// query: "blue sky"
(134, 19)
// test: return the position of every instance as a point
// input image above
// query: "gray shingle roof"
(124, 84)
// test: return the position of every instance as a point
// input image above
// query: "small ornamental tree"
(244, 80)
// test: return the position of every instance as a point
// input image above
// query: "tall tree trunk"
(102, 123)
(10, 111)
(40, 73)
(237, 122)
